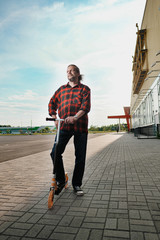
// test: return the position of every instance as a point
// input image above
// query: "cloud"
(18, 105)
(28, 95)
(98, 36)
(27, 101)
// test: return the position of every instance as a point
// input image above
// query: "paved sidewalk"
(121, 201)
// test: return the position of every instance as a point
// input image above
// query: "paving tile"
(77, 222)
(92, 225)
(48, 222)
(4, 226)
(145, 215)
(35, 218)
(96, 234)
(102, 213)
(15, 232)
(34, 231)
(123, 205)
(94, 220)
(62, 236)
(13, 238)
(134, 214)
(9, 218)
(143, 228)
(149, 236)
(117, 233)
(46, 232)
(78, 214)
(66, 229)
(91, 212)
(66, 221)
(25, 217)
(123, 224)
(14, 213)
(137, 236)
(18, 225)
(157, 224)
(83, 234)
(111, 223)
(141, 222)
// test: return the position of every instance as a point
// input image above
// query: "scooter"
(53, 187)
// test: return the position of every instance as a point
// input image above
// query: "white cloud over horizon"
(40, 40)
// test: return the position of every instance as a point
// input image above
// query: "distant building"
(22, 130)
(18, 130)
(145, 95)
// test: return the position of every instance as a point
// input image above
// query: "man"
(73, 104)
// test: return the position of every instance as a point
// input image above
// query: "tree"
(8, 131)
(45, 130)
(5, 125)
(112, 127)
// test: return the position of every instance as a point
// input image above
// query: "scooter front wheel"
(50, 199)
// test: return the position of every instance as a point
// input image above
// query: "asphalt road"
(12, 147)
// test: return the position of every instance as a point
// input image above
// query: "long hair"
(80, 77)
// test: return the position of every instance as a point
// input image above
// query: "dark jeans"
(80, 144)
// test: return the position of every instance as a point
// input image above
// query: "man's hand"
(70, 120)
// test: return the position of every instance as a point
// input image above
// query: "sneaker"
(60, 186)
(78, 191)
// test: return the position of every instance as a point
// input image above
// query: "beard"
(72, 79)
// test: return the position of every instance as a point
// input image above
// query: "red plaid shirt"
(69, 101)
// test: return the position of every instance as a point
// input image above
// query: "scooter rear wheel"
(66, 181)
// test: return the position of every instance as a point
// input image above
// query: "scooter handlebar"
(50, 119)
(53, 119)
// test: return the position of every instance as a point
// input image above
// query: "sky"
(40, 38)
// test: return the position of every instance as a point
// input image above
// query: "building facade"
(145, 95)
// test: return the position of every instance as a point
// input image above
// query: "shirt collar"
(77, 85)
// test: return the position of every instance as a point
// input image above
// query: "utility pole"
(31, 125)
(119, 125)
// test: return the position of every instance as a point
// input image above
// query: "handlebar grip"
(50, 119)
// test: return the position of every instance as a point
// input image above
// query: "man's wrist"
(76, 117)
